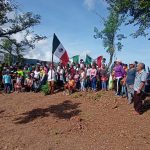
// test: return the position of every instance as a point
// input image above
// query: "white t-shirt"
(81, 65)
(82, 76)
(88, 72)
(51, 75)
(61, 74)
(36, 74)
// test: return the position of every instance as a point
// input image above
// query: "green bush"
(45, 89)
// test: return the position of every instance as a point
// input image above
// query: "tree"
(109, 35)
(12, 23)
(137, 12)
(7, 46)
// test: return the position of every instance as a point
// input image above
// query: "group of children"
(18, 79)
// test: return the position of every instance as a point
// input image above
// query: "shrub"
(45, 89)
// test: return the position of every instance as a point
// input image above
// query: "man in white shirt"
(139, 85)
(51, 79)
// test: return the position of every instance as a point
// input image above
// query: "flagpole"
(52, 61)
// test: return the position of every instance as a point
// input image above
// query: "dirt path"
(82, 121)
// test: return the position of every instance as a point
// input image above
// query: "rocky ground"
(82, 121)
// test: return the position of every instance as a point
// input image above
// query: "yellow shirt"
(71, 82)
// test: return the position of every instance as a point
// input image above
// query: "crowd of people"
(126, 80)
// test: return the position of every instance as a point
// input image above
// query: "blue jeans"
(94, 83)
(124, 91)
(82, 85)
(7, 87)
(130, 92)
(88, 82)
(103, 85)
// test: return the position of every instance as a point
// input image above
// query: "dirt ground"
(82, 121)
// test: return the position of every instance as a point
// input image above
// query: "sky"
(73, 22)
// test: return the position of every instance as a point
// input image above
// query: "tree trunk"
(110, 61)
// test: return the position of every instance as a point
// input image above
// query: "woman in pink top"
(93, 74)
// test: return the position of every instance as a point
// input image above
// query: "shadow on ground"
(1, 111)
(64, 110)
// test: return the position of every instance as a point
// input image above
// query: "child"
(7, 82)
(70, 86)
(28, 83)
(103, 77)
(82, 80)
(104, 80)
(18, 86)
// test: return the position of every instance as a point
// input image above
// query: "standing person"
(103, 77)
(77, 80)
(7, 82)
(51, 78)
(81, 63)
(36, 83)
(93, 74)
(82, 79)
(139, 85)
(37, 73)
(21, 74)
(130, 82)
(72, 70)
(88, 81)
(18, 85)
(28, 83)
(43, 76)
(123, 81)
(103, 82)
(61, 74)
(119, 74)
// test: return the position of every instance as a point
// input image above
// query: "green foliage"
(45, 89)
(137, 12)
(17, 22)
(109, 35)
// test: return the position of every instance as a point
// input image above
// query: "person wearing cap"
(118, 76)
(139, 85)
(130, 82)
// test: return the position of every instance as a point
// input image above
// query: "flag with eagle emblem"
(59, 51)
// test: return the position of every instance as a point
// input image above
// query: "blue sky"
(73, 21)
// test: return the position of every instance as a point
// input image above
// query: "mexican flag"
(88, 60)
(75, 59)
(59, 51)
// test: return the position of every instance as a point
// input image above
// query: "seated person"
(70, 86)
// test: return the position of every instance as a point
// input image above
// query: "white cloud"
(103, 2)
(42, 51)
(90, 4)
(19, 36)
